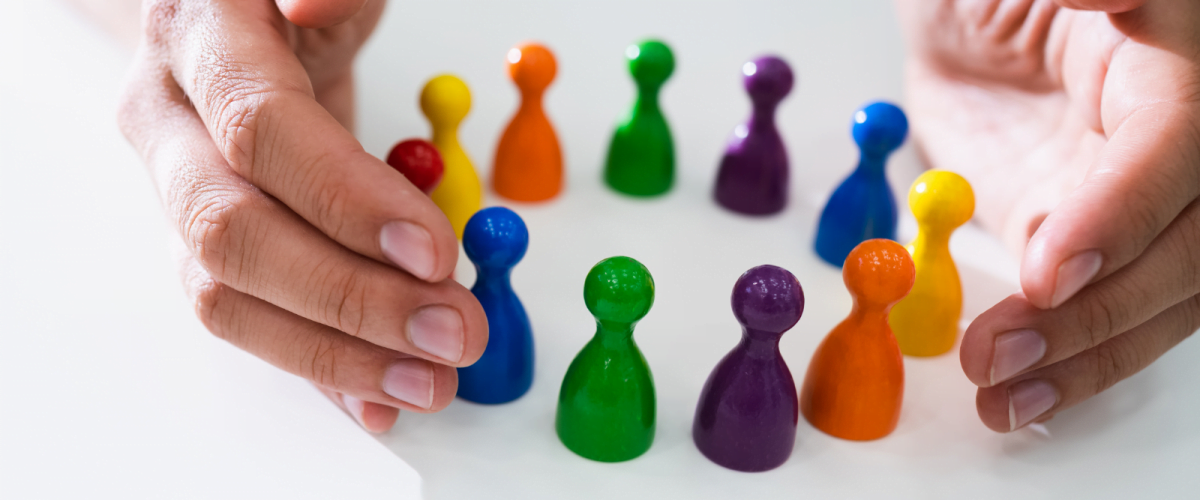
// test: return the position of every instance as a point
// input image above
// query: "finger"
(1038, 395)
(319, 13)
(1014, 336)
(257, 246)
(326, 357)
(1110, 6)
(373, 417)
(255, 98)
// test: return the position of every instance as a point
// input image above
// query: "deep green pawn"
(606, 405)
(641, 157)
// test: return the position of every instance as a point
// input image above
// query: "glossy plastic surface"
(641, 156)
(529, 161)
(926, 321)
(445, 100)
(419, 161)
(606, 407)
(748, 410)
(863, 206)
(855, 381)
(495, 240)
(753, 176)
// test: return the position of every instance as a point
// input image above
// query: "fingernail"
(1014, 352)
(437, 330)
(1028, 400)
(1073, 275)
(354, 407)
(408, 246)
(411, 381)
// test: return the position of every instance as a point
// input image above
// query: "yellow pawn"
(926, 321)
(445, 100)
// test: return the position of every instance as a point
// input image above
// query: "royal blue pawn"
(748, 409)
(753, 176)
(863, 206)
(495, 240)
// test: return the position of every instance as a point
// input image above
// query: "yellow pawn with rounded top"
(445, 101)
(926, 320)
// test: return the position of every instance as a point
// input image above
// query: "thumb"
(318, 14)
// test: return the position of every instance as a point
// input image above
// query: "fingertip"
(1037, 272)
(992, 405)
(445, 386)
(975, 353)
(378, 418)
(318, 14)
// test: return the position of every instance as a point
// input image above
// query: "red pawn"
(419, 161)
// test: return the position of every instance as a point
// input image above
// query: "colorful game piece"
(495, 240)
(641, 157)
(445, 100)
(529, 164)
(606, 408)
(746, 418)
(855, 382)
(926, 321)
(419, 161)
(863, 206)
(753, 177)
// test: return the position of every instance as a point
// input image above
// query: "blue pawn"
(495, 240)
(863, 207)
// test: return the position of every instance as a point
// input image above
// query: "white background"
(112, 389)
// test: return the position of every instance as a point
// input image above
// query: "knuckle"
(159, 19)
(1114, 362)
(343, 298)
(207, 227)
(209, 305)
(329, 202)
(318, 362)
(236, 103)
(1101, 314)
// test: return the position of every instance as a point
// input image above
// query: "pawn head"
(495, 237)
(941, 199)
(531, 67)
(879, 272)
(419, 161)
(650, 62)
(879, 128)
(767, 79)
(768, 298)
(619, 290)
(445, 100)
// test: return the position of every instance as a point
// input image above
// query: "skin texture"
(242, 110)
(1080, 130)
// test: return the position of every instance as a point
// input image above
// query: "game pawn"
(855, 381)
(746, 417)
(529, 163)
(495, 240)
(863, 206)
(419, 161)
(606, 407)
(641, 156)
(753, 176)
(445, 100)
(926, 321)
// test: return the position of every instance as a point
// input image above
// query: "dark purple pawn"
(746, 418)
(753, 178)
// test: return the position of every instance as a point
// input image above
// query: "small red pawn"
(419, 161)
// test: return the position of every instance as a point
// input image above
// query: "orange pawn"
(855, 382)
(529, 165)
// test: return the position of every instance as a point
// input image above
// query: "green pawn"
(606, 406)
(641, 157)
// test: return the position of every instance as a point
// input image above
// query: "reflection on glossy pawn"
(863, 206)
(753, 176)
(746, 417)
(926, 321)
(495, 240)
(606, 407)
(855, 381)
(641, 156)
(445, 100)
(419, 161)
(529, 163)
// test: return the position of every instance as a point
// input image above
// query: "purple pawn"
(753, 178)
(746, 417)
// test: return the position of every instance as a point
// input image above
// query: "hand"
(300, 247)
(1080, 131)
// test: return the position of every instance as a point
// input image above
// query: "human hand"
(1080, 131)
(300, 247)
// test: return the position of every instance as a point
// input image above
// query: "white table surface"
(113, 389)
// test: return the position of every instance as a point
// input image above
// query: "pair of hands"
(319, 258)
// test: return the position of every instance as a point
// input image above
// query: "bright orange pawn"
(855, 382)
(529, 165)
